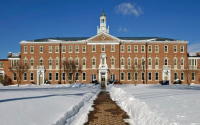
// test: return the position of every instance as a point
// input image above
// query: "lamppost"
(143, 70)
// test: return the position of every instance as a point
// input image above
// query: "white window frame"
(77, 49)
(121, 76)
(136, 76)
(182, 49)
(56, 78)
(25, 76)
(167, 61)
(136, 48)
(94, 60)
(50, 78)
(32, 49)
(84, 66)
(56, 49)
(142, 74)
(83, 76)
(14, 76)
(156, 48)
(25, 49)
(63, 76)
(192, 76)
(93, 48)
(175, 75)
(1, 65)
(122, 48)
(142, 49)
(150, 48)
(155, 76)
(112, 48)
(149, 76)
(128, 74)
(175, 48)
(165, 49)
(63, 49)
(77, 76)
(50, 49)
(31, 76)
(129, 48)
(70, 48)
(41, 49)
(122, 66)
(84, 47)
(50, 63)
(57, 63)
(182, 74)
(41, 62)
(103, 47)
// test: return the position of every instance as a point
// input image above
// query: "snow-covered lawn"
(46, 104)
(177, 104)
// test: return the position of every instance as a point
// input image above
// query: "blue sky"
(35, 19)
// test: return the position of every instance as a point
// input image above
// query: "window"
(182, 49)
(149, 62)
(182, 61)
(136, 76)
(112, 48)
(122, 48)
(57, 63)
(182, 76)
(122, 76)
(149, 76)
(32, 49)
(102, 48)
(175, 49)
(93, 48)
(15, 62)
(50, 49)
(136, 61)
(93, 63)
(77, 76)
(77, 63)
(129, 48)
(64, 49)
(175, 76)
(77, 49)
(84, 49)
(1, 65)
(175, 61)
(129, 76)
(166, 49)
(112, 62)
(156, 48)
(41, 49)
(25, 76)
(25, 49)
(15, 76)
(84, 62)
(166, 61)
(31, 63)
(25, 62)
(142, 75)
(150, 48)
(57, 77)
(70, 76)
(135, 48)
(193, 76)
(70, 49)
(32, 76)
(112, 77)
(63, 76)
(156, 78)
(156, 62)
(50, 76)
(143, 61)
(142, 48)
(129, 62)
(94, 77)
(50, 63)
(122, 63)
(57, 49)
(41, 62)
(84, 76)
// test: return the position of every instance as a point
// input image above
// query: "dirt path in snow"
(106, 112)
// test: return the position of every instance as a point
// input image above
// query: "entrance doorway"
(103, 81)
(41, 79)
(1, 77)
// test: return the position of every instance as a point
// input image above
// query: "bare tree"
(20, 69)
(134, 69)
(188, 73)
(71, 68)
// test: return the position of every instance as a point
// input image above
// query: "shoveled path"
(106, 112)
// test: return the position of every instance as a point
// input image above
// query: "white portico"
(103, 71)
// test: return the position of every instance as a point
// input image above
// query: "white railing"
(175, 66)
(182, 66)
(112, 66)
(193, 67)
(156, 66)
(122, 66)
(149, 66)
(40, 67)
(166, 66)
(84, 66)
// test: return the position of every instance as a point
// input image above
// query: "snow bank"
(138, 111)
(81, 109)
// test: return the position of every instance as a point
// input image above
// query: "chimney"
(9, 54)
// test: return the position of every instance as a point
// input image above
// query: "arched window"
(41, 61)
(50, 63)
(57, 62)
(84, 62)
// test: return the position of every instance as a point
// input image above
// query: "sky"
(36, 19)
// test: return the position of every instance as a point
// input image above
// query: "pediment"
(103, 37)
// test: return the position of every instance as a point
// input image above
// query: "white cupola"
(102, 24)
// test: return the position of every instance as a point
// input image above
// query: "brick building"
(104, 58)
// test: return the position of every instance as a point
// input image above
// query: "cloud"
(128, 9)
(121, 29)
(193, 48)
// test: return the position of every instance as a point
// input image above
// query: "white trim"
(100, 42)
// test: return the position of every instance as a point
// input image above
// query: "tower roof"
(103, 14)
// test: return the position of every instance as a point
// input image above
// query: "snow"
(46, 104)
(159, 105)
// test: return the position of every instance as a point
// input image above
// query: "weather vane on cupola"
(102, 24)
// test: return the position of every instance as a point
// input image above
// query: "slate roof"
(84, 38)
